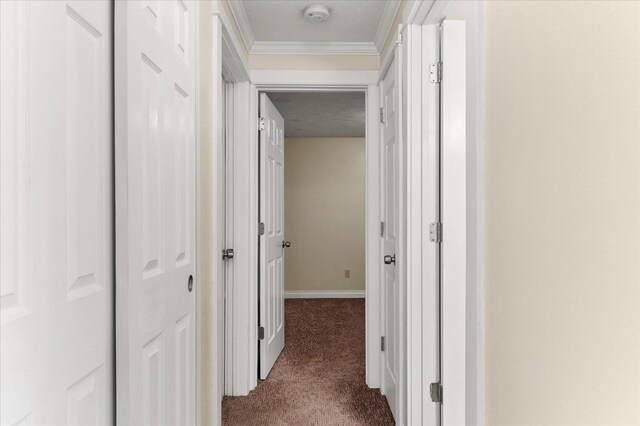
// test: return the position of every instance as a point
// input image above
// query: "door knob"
(190, 283)
(227, 254)
(286, 244)
(388, 260)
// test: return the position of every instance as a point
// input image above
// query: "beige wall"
(205, 247)
(562, 224)
(325, 213)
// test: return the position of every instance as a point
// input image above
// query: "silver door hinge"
(260, 333)
(382, 343)
(382, 229)
(435, 389)
(261, 228)
(435, 232)
(260, 124)
(435, 72)
(381, 115)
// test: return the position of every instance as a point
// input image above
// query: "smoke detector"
(317, 13)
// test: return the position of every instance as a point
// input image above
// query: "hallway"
(319, 379)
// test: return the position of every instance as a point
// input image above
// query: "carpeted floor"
(319, 379)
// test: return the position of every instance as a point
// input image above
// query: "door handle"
(227, 254)
(190, 283)
(388, 260)
(286, 244)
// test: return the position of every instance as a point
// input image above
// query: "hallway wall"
(325, 213)
(562, 224)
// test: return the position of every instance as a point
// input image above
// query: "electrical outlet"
(347, 273)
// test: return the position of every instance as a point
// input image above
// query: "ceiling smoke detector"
(317, 13)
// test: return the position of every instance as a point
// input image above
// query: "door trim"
(433, 13)
(226, 59)
(247, 216)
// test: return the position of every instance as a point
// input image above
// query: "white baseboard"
(325, 294)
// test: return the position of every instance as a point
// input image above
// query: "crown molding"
(388, 16)
(310, 48)
(240, 16)
(313, 48)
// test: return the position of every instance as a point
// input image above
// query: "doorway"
(313, 244)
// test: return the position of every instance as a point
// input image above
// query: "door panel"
(271, 243)
(391, 185)
(155, 212)
(56, 198)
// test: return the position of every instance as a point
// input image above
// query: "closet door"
(56, 196)
(155, 212)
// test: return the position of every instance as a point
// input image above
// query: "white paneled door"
(155, 212)
(56, 198)
(390, 135)
(272, 243)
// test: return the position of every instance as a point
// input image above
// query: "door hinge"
(382, 343)
(435, 389)
(260, 333)
(435, 72)
(261, 228)
(382, 229)
(382, 115)
(260, 124)
(435, 232)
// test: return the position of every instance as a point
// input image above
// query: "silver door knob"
(286, 244)
(388, 260)
(227, 254)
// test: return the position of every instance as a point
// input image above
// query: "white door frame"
(471, 394)
(219, 347)
(246, 214)
(363, 81)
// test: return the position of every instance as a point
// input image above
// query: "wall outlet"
(347, 273)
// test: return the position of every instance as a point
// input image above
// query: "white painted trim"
(240, 16)
(230, 270)
(373, 242)
(310, 81)
(313, 79)
(421, 138)
(385, 62)
(388, 16)
(198, 340)
(313, 48)
(418, 11)
(213, 309)
(454, 218)
(236, 46)
(325, 294)
(427, 12)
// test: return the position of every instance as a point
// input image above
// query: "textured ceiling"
(321, 114)
(282, 21)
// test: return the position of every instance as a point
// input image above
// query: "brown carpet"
(319, 379)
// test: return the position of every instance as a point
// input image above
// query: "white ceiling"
(321, 114)
(278, 26)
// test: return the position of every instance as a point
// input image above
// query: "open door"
(155, 212)
(391, 291)
(272, 243)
